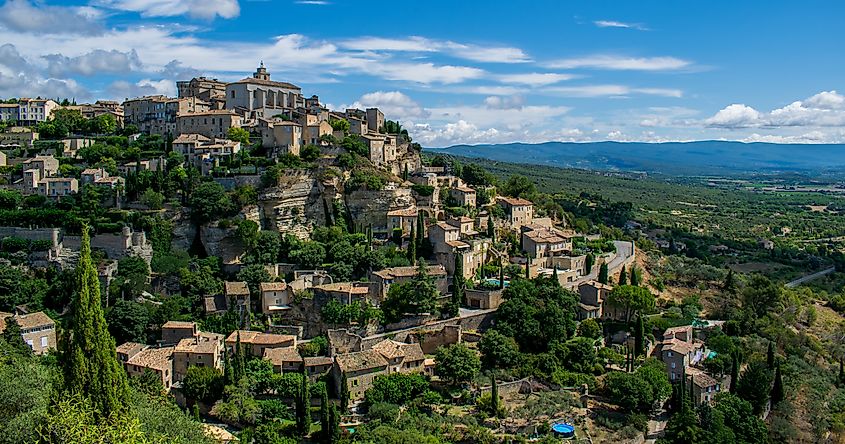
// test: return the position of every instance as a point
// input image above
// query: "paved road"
(809, 277)
(656, 426)
(624, 250)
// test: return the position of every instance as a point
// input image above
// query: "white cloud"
(616, 24)
(808, 138)
(477, 53)
(611, 91)
(18, 78)
(425, 73)
(93, 63)
(825, 109)
(23, 16)
(393, 104)
(202, 9)
(535, 78)
(126, 90)
(621, 63)
(499, 102)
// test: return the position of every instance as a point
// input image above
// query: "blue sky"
(465, 71)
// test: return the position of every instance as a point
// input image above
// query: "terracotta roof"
(405, 212)
(260, 338)
(677, 346)
(462, 219)
(587, 307)
(464, 189)
(680, 329)
(700, 379)
(446, 227)
(130, 348)
(89, 171)
(255, 81)
(280, 355)
(391, 349)
(362, 360)
(396, 272)
(544, 236)
(457, 244)
(191, 138)
(214, 303)
(157, 358)
(179, 324)
(196, 345)
(344, 287)
(211, 112)
(515, 202)
(273, 286)
(235, 288)
(315, 361)
(597, 284)
(32, 320)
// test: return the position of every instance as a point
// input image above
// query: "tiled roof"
(515, 202)
(236, 288)
(678, 346)
(157, 358)
(405, 212)
(700, 379)
(273, 286)
(179, 324)
(214, 303)
(255, 81)
(391, 349)
(130, 348)
(464, 189)
(457, 244)
(396, 272)
(598, 285)
(282, 354)
(446, 227)
(363, 360)
(211, 112)
(32, 320)
(544, 236)
(344, 287)
(191, 138)
(195, 345)
(315, 361)
(260, 338)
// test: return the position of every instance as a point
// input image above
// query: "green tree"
(254, 275)
(12, 336)
(419, 295)
(589, 262)
(498, 350)
(603, 274)
(754, 385)
(239, 135)
(739, 417)
(90, 367)
(634, 300)
(152, 199)
(760, 295)
(635, 276)
(334, 421)
(519, 187)
(396, 388)
(456, 363)
(132, 275)
(777, 389)
(303, 408)
(325, 420)
(459, 284)
(412, 247)
(683, 426)
(128, 321)
(339, 125)
(629, 391)
(344, 393)
(623, 276)
(639, 337)
(589, 328)
(203, 384)
(208, 202)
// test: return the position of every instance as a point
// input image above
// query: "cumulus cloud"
(93, 63)
(393, 104)
(201, 9)
(825, 109)
(621, 63)
(146, 87)
(499, 102)
(19, 78)
(24, 16)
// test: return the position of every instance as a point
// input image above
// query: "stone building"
(258, 96)
(214, 124)
(37, 330)
(360, 370)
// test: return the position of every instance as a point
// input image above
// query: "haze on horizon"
(456, 73)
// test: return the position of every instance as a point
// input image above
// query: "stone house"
(257, 342)
(139, 358)
(37, 330)
(464, 196)
(442, 236)
(401, 357)
(174, 331)
(56, 187)
(275, 297)
(203, 350)
(592, 295)
(483, 299)
(18, 137)
(360, 369)
(466, 225)
(704, 387)
(259, 97)
(157, 114)
(28, 112)
(203, 152)
(284, 359)
(317, 366)
(539, 241)
(518, 212)
(383, 279)
(236, 293)
(679, 350)
(344, 292)
(404, 218)
(212, 123)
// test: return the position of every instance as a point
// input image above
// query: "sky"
(455, 72)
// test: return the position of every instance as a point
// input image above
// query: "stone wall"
(229, 183)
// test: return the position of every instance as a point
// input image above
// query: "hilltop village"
(245, 229)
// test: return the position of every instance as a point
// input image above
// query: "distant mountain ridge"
(674, 158)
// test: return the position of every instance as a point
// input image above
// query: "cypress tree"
(420, 229)
(334, 420)
(239, 364)
(777, 388)
(589, 262)
(491, 229)
(494, 396)
(734, 371)
(603, 274)
(88, 360)
(527, 267)
(635, 276)
(555, 280)
(227, 368)
(12, 335)
(639, 336)
(623, 276)
(325, 420)
(405, 173)
(412, 248)
(302, 404)
(344, 394)
(770, 355)
(459, 283)
(501, 276)
(841, 371)
(730, 282)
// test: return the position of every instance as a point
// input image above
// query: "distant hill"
(674, 158)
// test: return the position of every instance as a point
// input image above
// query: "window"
(673, 365)
(44, 342)
(29, 342)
